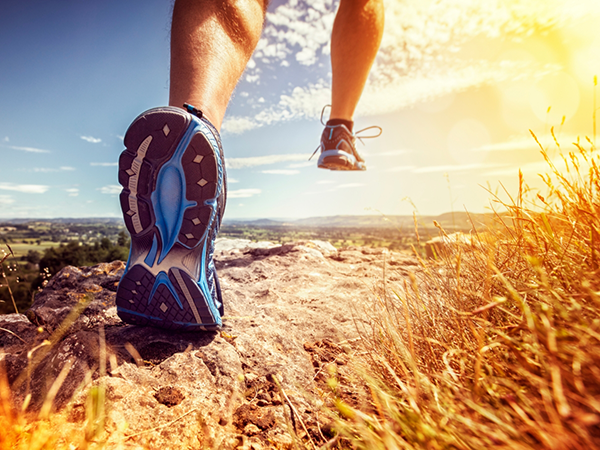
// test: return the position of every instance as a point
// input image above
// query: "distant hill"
(84, 220)
(458, 220)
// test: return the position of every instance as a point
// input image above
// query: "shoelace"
(355, 135)
(193, 110)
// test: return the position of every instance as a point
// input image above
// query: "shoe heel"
(150, 141)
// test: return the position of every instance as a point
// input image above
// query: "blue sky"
(456, 87)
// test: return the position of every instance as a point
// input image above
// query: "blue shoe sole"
(172, 176)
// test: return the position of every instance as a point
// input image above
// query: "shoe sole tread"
(171, 179)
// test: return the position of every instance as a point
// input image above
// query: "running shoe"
(338, 146)
(338, 150)
(173, 198)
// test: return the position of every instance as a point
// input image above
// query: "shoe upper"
(338, 137)
(338, 151)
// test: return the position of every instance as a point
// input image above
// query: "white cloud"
(6, 139)
(51, 169)
(385, 153)
(110, 189)
(443, 168)
(514, 145)
(401, 169)
(237, 125)
(6, 200)
(73, 192)
(253, 161)
(91, 139)
(349, 185)
(539, 167)
(25, 188)
(27, 149)
(294, 28)
(232, 180)
(325, 182)
(389, 94)
(529, 143)
(104, 164)
(418, 59)
(243, 193)
(302, 164)
(281, 172)
(450, 168)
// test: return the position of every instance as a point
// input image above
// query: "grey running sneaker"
(173, 199)
(338, 150)
(338, 146)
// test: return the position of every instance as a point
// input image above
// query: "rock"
(95, 286)
(291, 313)
(441, 246)
(323, 246)
(251, 414)
(169, 396)
(224, 244)
(16, 329)
(251, 429)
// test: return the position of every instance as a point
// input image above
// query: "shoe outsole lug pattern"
(172, 176)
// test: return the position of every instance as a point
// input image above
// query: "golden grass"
(43, 429)
(497, 342)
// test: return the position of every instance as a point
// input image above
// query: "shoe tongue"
(349, 123)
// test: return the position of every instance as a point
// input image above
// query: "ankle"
(348, 123)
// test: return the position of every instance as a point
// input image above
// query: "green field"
(21, 248)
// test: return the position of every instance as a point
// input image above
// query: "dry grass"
(46, 429)
(498, 343)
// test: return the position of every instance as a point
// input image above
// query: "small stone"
(251, 430)
(169, 396)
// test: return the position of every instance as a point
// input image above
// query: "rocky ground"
(289, 311)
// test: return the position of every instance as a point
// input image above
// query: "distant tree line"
(26, 279)
(78, 254)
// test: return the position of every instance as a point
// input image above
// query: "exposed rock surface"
(289, 309)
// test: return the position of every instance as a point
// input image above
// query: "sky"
(456, 87)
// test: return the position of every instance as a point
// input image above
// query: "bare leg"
(357, 32)
(211, 42)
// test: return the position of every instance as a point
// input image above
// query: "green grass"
(20, 249)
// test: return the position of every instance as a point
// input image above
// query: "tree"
(33, 257)
(123, 240)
